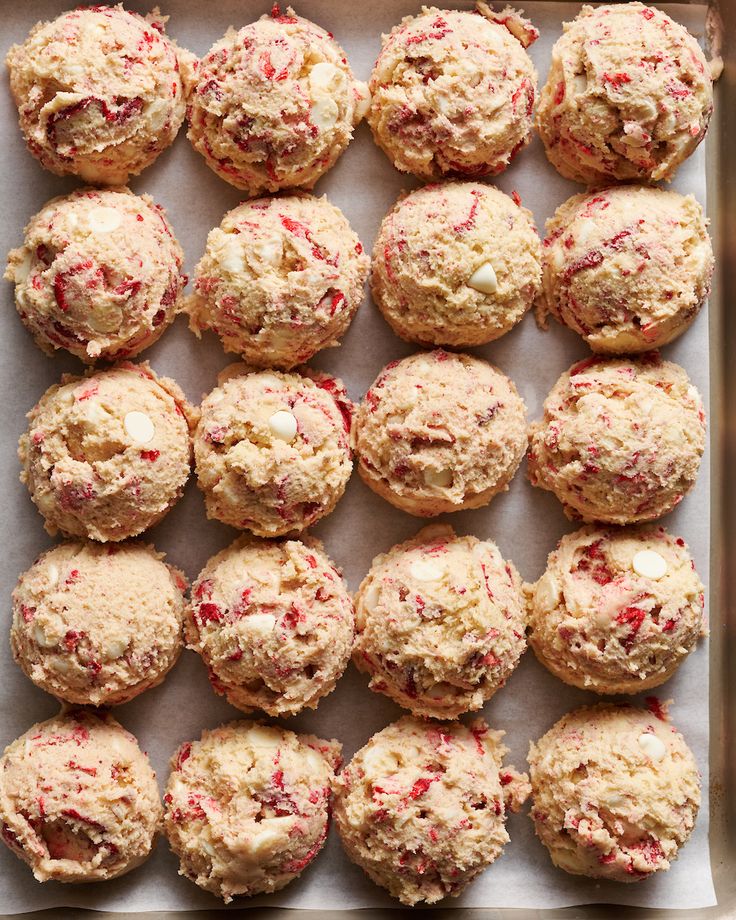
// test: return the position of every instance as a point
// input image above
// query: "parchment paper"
(525, 522)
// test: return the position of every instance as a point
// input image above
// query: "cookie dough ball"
(247, 806)
(100, 92)
(616, 610)
(455, 264)
(620, 440)
(439, 432)
(78, 799)
(281, 278)
(628, 97)
(272, 450)
(106, 455)
(421, 808)
(616, 791)
(627, 268)
(273, 622)
(452, 92)
(274, 104)
(98, 625)
(98, 274)
(440, 623)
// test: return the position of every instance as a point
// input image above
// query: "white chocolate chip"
(61, 665)
(371, 597)
(584, 230)
(324, 112)
(260, 736)
(484, 279)
(23, 269)
(547, 592)
(426, 570)
(208, 848)
(273, 832)
(652, 746)
(614, 801)
(260, 623)
(139, 427)
(53, 575)
(579, 83)
(269, 250)
(649, 564)
(42, 639)
(283, 425)
(116, 648)
(230, 254)
(324, 76)
(315, 761)
(440, 478)
(103, 220)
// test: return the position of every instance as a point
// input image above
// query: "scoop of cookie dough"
(616, 611)
(271, 449)
(247, 806)
(98, 274)
(439, 432)
(627, 268)
(455, 264)
(98, 625)
(274, 104)
(281, 278)
(628, 97)
(100, 92)
(440, 623)
(616, 792)
(421, 808)
(620, 440)
(452, 92)
(78, 799)
(106, 455)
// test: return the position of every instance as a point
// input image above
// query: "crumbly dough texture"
(78, 799)
(452, 92)
(620, 440)
(88, 474)
(439, 432)
(100, 91)
(281, 278)
(428, 250)
(628, 97)
(615, 792)
(247, 806)
(422, 806)
(626, 268)
(598, 624)
(97, 625)
(440, 623)
(274, 104)
(254, 479)
(273, 622)
(98, 274)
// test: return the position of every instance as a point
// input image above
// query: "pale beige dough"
(281, 278)
(628, 97)
(272, 450)
(247, 806)
(106, 455)
(98, 274)
(78, 799)
(274, 104)
(421, 808)
(439, 432)
(615, 792)
(620, 440)
(440, 623)
(452, 92)
(456, 263)
(101, 92)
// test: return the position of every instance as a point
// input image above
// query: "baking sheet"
(525, 522)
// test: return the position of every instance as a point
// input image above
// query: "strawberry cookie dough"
(439, 432)
(272, 450)
(281, 278)
(106, 455)
(273, 622)
(617, 610)
(628, 97)
(98, 624)
(455, 264)
(98, 274)
(274, 104)
(100, 92)
(440, 623)
(627, 268)
(616, 792)
(422, 806)
(620, 440)
(78, 799)
(247, 807)
(452, 92)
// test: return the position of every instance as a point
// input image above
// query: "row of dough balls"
(102, 92)
(458, 264)
(422, 807)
